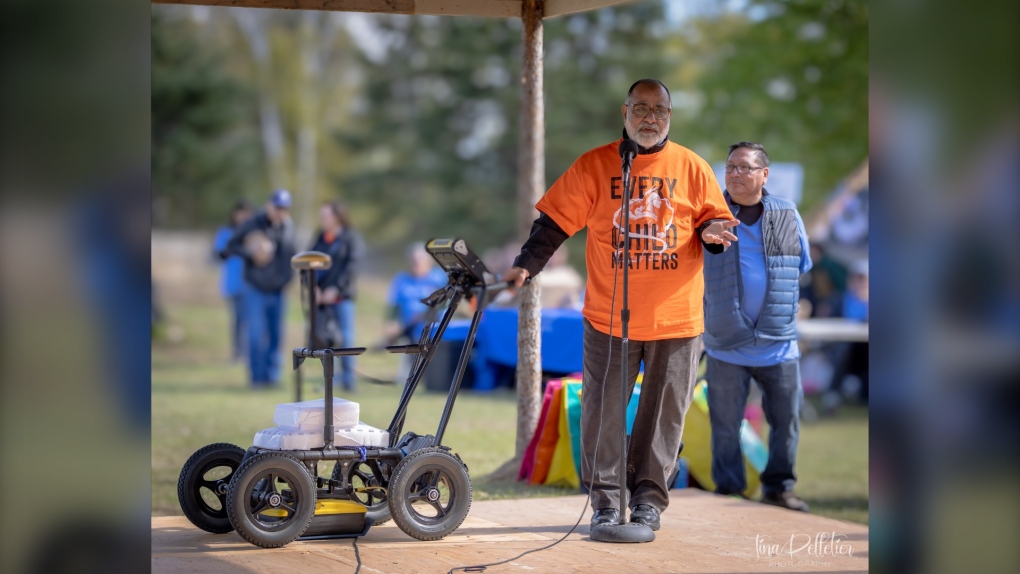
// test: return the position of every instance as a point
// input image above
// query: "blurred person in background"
(405, 307)
(266, 244)
(850, 360)
(232, 277)
(751, 297)
(499, 260)
(823, 286)
(855, 300)
(336, 288)
(561, 283)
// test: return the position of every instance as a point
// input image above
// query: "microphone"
(628, 149)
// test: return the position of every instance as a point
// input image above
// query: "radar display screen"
(454, 256)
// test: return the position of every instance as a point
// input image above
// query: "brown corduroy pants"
(670, 369)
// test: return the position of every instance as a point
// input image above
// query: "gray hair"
(650, 82)
(416, 248)
(757, 148)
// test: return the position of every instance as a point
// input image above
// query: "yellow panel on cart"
(335, 506)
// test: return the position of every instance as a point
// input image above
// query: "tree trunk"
(530, 187)
(252, 24)
(308, 134)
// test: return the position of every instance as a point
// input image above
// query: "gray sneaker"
(785, 500)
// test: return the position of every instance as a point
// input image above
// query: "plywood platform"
(700, 532)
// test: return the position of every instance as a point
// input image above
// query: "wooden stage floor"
(701, 532)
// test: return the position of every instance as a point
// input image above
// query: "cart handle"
(404, 349)
(302, 352)
(500, 285)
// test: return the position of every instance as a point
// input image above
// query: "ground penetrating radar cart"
(272, 493)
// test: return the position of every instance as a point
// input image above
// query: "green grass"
(199, 397)
(832, 465)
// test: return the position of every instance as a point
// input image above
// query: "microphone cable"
(598, 437)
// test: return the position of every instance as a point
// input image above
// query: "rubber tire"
(241, 488)
(188, 490)
(380, 511)
(400, 496)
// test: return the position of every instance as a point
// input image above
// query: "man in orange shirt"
(676, 206)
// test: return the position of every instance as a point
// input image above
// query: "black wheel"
(370, 481)
(202, 486)
(429, 494)
(271, 499)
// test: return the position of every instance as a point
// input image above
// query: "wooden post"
(530, 187)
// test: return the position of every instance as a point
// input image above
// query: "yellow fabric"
(698, 446)
(561, 469)
(548, 439)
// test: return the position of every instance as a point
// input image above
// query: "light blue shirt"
(407, 291)
(232, 277)
(755, 280)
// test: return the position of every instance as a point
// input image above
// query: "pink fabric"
(528, 464)
(548, 432)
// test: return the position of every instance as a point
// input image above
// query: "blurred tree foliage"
(790, 74)
(205, 146)
(433, 133)
(419, 115)
(437, 124)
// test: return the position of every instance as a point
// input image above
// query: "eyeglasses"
(641, 111)
(741, 169)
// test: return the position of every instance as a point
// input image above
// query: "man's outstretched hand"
(516, 277)
(719, 232)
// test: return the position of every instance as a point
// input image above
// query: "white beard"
(645, 141)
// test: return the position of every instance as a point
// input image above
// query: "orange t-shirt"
(674, 192)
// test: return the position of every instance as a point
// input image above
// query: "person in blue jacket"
(406, 311)
(232, 276)
(408, 289)
(336, 288)
(751, 299)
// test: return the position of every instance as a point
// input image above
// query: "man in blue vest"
(751, 296)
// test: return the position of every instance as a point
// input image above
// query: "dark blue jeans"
(782, 395)
(238, 340)
(345, 322)
(264, 314)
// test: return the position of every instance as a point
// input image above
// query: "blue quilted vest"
(726, 327)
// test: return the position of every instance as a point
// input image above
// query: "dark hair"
(757, 148)
(241, 205)
(339, 210)
(650, 82)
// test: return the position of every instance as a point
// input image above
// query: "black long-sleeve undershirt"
(546, 237)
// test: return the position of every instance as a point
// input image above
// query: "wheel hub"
(221, 488)
(432, 494)
(274, 500)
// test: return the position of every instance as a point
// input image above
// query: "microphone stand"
(624, 532)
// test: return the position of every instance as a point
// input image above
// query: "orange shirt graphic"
(674, 192)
